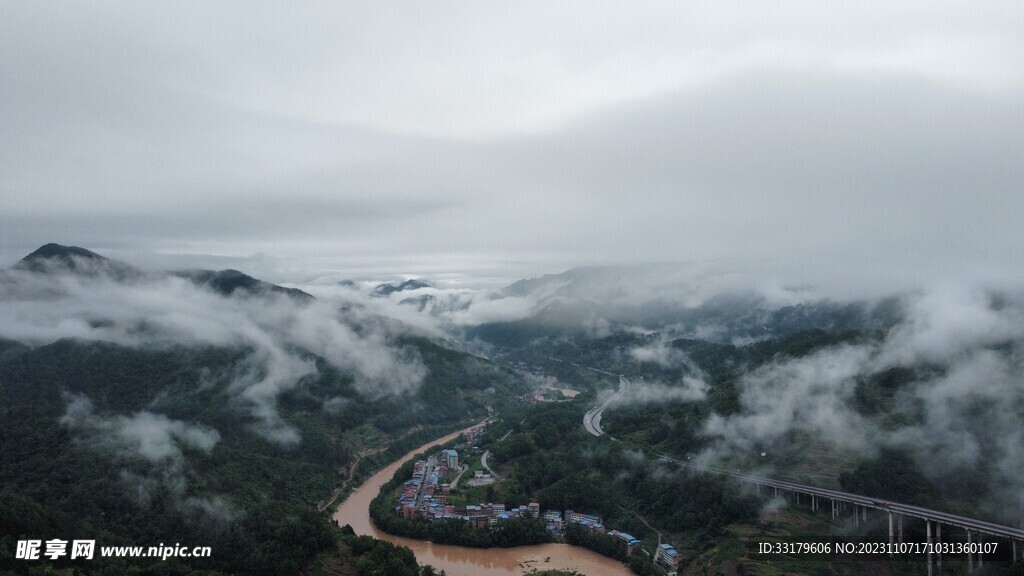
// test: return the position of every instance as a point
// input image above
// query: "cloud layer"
(848, 145)
(157, 441)
(151, 437)
(162, 311)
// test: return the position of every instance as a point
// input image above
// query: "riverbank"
(460, 561)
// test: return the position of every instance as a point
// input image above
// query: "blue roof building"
(668, 558)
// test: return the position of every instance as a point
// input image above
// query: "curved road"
(592, 419)
(483, 460)
(455, 483)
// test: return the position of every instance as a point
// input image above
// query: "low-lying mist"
(961, 344)
(281, 334)
(961, 410)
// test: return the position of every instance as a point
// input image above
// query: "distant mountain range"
(54, 258)
(690, 301)
(228, 282)
(384, 290)
(57, 259)
(686, 301)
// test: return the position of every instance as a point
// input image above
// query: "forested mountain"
(230, 282)
(54, 259)
(682, 301)
(138, 410)
(920, 408)
(217, 409)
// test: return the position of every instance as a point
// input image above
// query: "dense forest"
(540, 458)
(372, 557)
(100, 441)
(549, 457)
(676, 427)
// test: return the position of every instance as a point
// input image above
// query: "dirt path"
(351, 476)
(455, 483)
(645, 522)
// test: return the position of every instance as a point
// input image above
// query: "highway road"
(592, 419)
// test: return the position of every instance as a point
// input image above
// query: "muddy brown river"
(460, 561)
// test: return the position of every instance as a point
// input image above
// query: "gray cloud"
(484, 310)
(964, 412)
(688, 389)
(153, 434)
(159, 442)
(879, 153)
(811, 394)
(662, 353)
(162, 311)
(151, 437)
(949, 320)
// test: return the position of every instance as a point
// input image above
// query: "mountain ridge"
(387, 289)
(56, 258)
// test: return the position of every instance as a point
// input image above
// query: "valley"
(253, 438)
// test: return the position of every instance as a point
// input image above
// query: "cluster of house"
(424, 496)
(471, 437)
(424, 485)
(626, 542)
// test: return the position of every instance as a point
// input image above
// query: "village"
(424, 495)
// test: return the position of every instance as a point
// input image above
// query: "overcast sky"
(839, 142)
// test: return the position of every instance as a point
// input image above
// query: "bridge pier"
(890, 533)
(928, 531)
(860, 505)
(970, 557)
